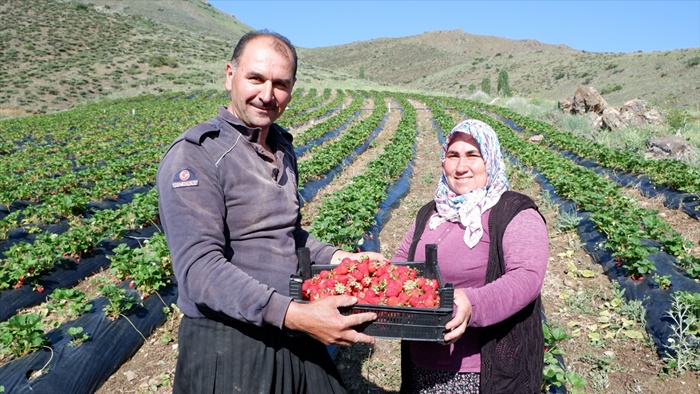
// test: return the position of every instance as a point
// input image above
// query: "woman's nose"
(463, 165)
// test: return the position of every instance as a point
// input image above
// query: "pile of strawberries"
(374, 282)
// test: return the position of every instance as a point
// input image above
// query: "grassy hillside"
(457, 62)
(95, 49)
(86, 52)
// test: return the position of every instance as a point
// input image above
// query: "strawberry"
(382, 270)
(430, 293)
(342, 268)
(363, 267)
(340, 288)
(358, 275)
(392, 301)
(393, 288)
(342, 278)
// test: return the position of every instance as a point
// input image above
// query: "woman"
(493, 246)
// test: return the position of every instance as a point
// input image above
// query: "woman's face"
(464, 167)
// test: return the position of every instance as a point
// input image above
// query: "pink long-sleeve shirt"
(525, 252)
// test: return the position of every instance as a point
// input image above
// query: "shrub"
(486, 85)
(161, 60)
(610, 89)
(503, 85)
(693, 62)
(677, 118)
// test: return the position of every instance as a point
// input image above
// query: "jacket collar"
(276, 136)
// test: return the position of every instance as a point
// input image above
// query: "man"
(229, 206)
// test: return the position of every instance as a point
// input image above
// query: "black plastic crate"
(393, 322)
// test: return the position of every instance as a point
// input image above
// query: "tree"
(486, 85)
(362, 72)
(503, 86)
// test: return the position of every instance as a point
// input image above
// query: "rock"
(565, 105)
(130, 375)
(653, 116)
(611, 119)
(587, 99)
(635, 112)
(568, 282)
(596, 120)
(668, 146)
(536, 138)
(635, 106)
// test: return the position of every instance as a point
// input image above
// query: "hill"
(97, 49)
(457, 62)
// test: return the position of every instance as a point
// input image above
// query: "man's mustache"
(260, 104)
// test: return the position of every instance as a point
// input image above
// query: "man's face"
(261, 84)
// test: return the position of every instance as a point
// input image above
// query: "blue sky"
(594, 26)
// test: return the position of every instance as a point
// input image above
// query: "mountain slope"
(55, 54)
(452, 61)
(84, 51)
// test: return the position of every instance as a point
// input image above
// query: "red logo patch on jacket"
(185, 178)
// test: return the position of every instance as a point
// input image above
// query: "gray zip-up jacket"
(230, 213)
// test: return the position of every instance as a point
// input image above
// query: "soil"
(572, 302)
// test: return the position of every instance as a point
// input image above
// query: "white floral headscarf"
(468, 208)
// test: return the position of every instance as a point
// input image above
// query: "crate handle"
(430, 259)
(304, 257)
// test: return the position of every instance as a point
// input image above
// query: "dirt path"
(367, 369)
(376, 147)
(298, 129)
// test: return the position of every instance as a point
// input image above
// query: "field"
(87, 283)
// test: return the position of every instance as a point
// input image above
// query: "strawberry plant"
(553, 373)
(664, 282)
(147, 267)
(22, 334)
(119, 301)
(72, 302)
(77, 336)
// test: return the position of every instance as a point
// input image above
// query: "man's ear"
(230, 72)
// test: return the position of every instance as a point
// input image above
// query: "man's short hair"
(282, 45)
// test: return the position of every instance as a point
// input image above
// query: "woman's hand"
(462, 314)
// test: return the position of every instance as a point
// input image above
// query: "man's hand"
(339, 255)
(322, 320)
